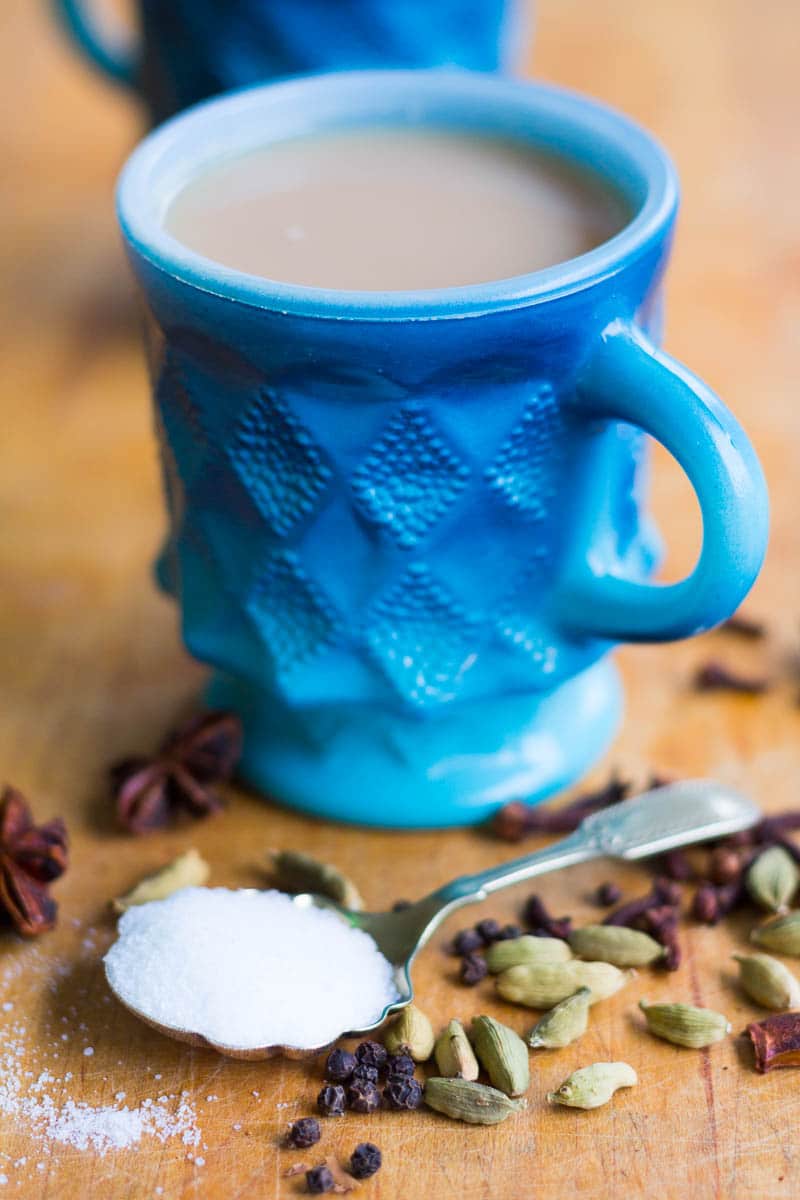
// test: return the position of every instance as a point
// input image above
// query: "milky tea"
(394, 209)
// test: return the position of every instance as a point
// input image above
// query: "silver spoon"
(677, 814)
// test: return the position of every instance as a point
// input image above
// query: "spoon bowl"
(674, 815)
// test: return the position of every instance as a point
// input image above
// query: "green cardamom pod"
(454, 1055)
(781, 934)
(293, 871)
(187, 870)
(515, 952)
(541, 985)
(474, 1103)
(412, 1034)
(772, 878)
(502, 1054)
(768, 981)
(615, 944)
(563, 1024)
(595, 1085)
(684, 1024)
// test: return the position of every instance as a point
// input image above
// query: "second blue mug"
(188, 50)
(406, 527)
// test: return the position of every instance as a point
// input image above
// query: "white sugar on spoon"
(246, 969)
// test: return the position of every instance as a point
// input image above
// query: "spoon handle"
(677, 814)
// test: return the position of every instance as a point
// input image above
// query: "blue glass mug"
(191, 49)
(407, 527)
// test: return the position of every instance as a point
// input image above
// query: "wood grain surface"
(91, 667)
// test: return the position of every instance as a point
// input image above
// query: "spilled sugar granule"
(42, 1106)
(248, 969)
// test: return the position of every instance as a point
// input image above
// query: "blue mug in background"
(188, 50)
(407, 527)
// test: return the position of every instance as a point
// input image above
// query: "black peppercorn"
(331, 1100)
(403, 1091)
(466, 941)
(365, 1160)
(303, 1133)
(319, 1179)
(399, 1064)
(372, 1054)
(339, 1065)
(489, 930)
(608, 893)
(473, 969)
(364, 1074)
(363, 1096)
(508, 932)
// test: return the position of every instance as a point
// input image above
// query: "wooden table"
(91, 667)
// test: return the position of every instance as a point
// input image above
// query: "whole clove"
(711, 903)
(608, 894)
(541, 923)
(714, 676)
(467, 941)
(516, 820)
(664, 892)
(675, 865)
(745, 627)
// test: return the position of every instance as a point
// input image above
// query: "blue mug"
(191, 49)
(407, 527)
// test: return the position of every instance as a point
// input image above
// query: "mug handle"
(118, 57)
(627, 379)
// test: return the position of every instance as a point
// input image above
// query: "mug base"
(371, 767)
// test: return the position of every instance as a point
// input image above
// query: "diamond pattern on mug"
(409, 478)
(526, 469)
(181, 422)
(291, 615)
(275, 458)
(516, 620)
(423, 640)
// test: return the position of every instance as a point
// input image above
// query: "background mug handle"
(627, 379)
(112, 50)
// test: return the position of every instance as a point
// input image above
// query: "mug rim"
(177, 151)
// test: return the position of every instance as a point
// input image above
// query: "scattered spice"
(454, 1055)
(187, 870)
(466, 941)
(502, 1054)
(675, 865)
(294, 871)
(543, 985)
(303, 1133)
(772, 878)
(474, 1103)
(776, 1041)
(473, 969)
(31, 857)
(714, 676)
(592, 1086)
(745, 627)
(181, 776)
(615, 944)
(410, 1033)
(564, 1023)
(319, 1180)
(488, 930)
(664, 892)
(399, 1064)
(362, 1095)
(607, 894)
(364, 1074)
(725, 863)
(372, 1054)
(339, 1065)
(526, 949)
(781, 934)
(403, 1092)
(331, 1100)
(538, 919)
(685, 1024)
(365, 1160)
(768, 981)
(517, 820)
(711, 904)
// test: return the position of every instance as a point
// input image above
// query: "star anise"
(31, 857)
(181, 776)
